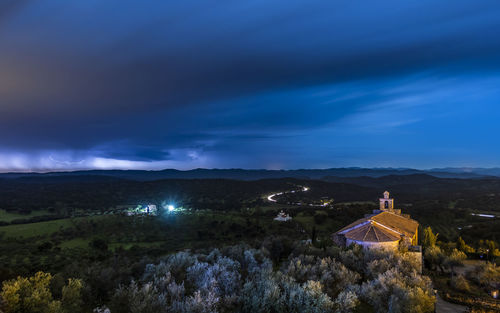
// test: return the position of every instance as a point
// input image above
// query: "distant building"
(385, 228)
(282, 217)
(149, 209)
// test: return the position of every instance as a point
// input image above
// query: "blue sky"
(250, 84)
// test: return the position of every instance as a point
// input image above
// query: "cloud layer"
(263, 84)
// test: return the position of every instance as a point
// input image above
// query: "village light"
(170, 208)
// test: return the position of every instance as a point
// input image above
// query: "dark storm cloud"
(11, 7)
(138, 82)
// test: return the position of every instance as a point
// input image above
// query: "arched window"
(386, 204)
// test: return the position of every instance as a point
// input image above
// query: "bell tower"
(386, 203)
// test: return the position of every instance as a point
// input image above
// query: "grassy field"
(187, 229)
(39, 229)
(66, 238)
(8, 216)
(34, 229)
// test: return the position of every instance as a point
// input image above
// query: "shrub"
(276, 292)
(346, 301)
(434, 257)
(487, 274)
(456, 258)
(460, 283)
(241, 279)
(334, 276)
(394, 291)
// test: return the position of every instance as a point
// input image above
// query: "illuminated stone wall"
(373, 244)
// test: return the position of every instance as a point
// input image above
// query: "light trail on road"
(271, 197)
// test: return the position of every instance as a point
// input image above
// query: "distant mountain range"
(331, 174)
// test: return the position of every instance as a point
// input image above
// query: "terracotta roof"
(384, 226)
(361, 220)
(372, 231)
(397, 222)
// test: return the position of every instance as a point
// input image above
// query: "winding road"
(447, 307)
(271, 197)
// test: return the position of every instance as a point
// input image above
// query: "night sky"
(269, 84)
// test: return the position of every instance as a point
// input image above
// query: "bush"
(333, 276)
(434, 257)
(346, 301)
(394, 291)
(276, 292)
(460, 283)
(487, 275)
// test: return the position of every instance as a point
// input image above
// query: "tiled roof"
(397, 222)
(371, 231)
(384, 226)
(360, 221)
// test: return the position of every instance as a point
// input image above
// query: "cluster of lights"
(170, 208)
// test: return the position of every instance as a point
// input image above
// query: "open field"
(34, 229)
(10, 216)
(190, 228)
(30, 230)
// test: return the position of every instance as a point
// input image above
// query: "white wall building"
(282, 217)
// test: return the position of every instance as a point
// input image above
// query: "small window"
(386, 204)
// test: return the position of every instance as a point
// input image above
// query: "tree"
(33, 295)
(23, 295)
(462, 246)
(456, 258)
(434, 257)
(491, 245)
(72, 296)
(488, 247)
(430, 238)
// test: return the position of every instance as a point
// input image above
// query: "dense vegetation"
(73, 229)
(243, 279)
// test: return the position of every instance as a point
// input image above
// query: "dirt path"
(447, 307)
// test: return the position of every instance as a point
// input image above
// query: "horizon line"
(49, 171)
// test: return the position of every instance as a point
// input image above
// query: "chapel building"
(385, 228)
